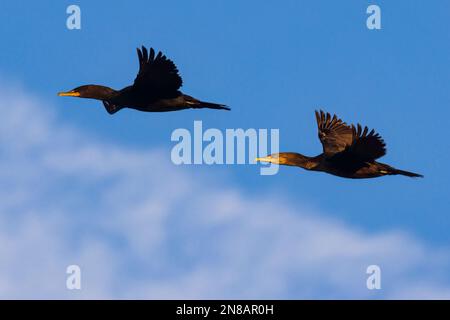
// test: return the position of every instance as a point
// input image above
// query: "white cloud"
(140, 227)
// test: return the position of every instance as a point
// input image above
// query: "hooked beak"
(69, 94)
(267, 159)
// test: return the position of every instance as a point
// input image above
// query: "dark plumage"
(155, 89)
(348, 152)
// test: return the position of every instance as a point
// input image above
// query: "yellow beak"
(265, 159)
(69, 94)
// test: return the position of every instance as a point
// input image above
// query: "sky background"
(79, 186)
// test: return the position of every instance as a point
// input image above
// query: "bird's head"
(285, 158)
(90, 91)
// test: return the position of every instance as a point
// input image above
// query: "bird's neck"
(99, 92)
(299, 160)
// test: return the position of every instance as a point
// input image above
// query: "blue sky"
(273, 64)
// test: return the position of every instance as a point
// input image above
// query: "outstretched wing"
(366, 146)
(340, 140)
(157, 76)
(334, 134)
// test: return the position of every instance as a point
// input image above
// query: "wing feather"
(366, 146)
(158, 76)
(334, 134)
(341, 140)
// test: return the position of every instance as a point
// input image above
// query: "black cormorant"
(155, 89)
(348, 152)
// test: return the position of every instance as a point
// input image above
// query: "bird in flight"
(348, 152)
(155, 89)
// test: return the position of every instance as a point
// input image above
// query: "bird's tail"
(406, 173)
(211, 105)
(194, 103)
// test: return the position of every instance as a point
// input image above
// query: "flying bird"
(155, 89)
(348, 152)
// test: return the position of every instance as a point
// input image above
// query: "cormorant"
(155, 89)
(348, 152)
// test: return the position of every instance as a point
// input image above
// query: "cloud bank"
(140, 227)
